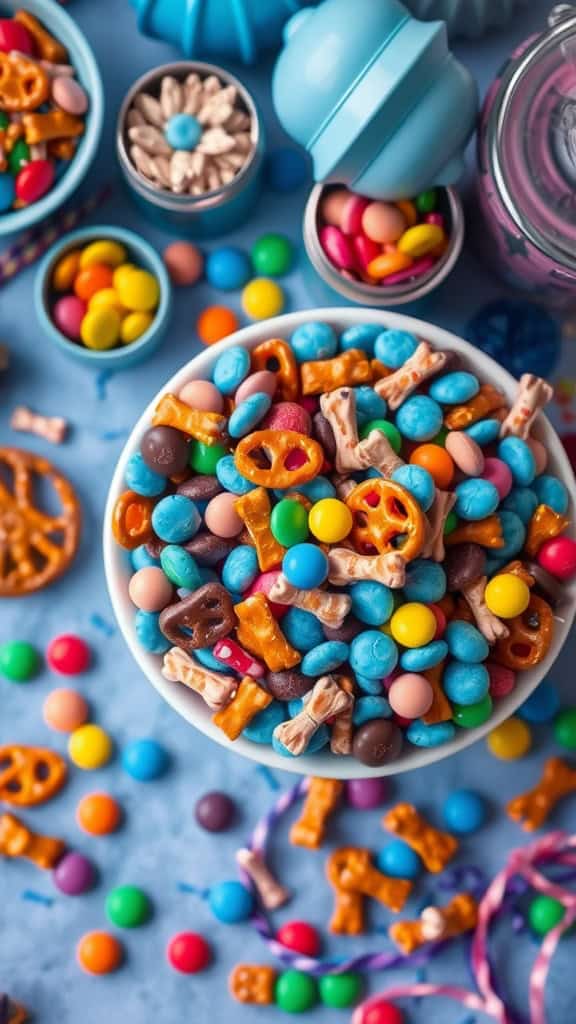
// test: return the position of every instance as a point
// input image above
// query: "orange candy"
(92, 279)
(215, 323)
(98, 814)
(99, 953)
(437, 461)
(391, 262)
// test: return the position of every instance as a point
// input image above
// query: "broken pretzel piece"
(253, 984)
(438, 513)
(254, 511)
(321, 800)
(485, 532)
(346, 370)
(259, 632)
(207, 427)
(239, 712)
(544, 525)
(17, 840)
(351, 869)
(436, 923)
(440, 709)
(532, 809)
(436, 848)
(488, 400)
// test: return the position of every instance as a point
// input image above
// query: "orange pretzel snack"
(259, 633)
(321, 800)
(384, 511)
(49, 48)
(252, 983)
(348, 914)
(62, 149)
(56, 124)
(207, 427)
(16, 840)
(132, 520)
(277, 356)
(342, 726)
(544, 525)
(343, 371)
(529, 637)
(30, 775)
(24, 85)
(279, 447)
(486, 532)
(215, 688)
(532, 809)
(254, 511)
(441, 709)
(436, 923)
(424, 363)
(329, 609)
(350, 868)
(379, 370)
(517, 568)
(248, 701)
(488, 400)
(434, 847)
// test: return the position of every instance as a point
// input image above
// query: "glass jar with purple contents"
(527, 165)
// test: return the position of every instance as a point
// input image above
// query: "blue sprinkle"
(194, 889)
(36, 897)
(105, 627)
(268, 776)
(421, 978)
(113, 435)
(102, 379)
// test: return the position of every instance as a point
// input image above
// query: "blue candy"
(302, 629)
(204, 656)
(513, 532)
(465, 642)
(263, 724)
(522, 501)
(227, 268)
(419, 418)
(324, 658)
(229, 477)
(422, 735)
(425, 581)
(371, 686)
(418, 481)
(494, 565)
(180, 567)
(319, 740)
(305, 566)
(465, 683)
(542, 705)
(372, 602)
(360, 336)
(551, 491)
(519, 458)
(140, 478)
(149, 634)
(183, 131)
(246, 415)
(398, 860)
(369, 405)
(393, 347)
(373, 654)
(140, 558)
(475, 499)
(314, 340)
(240, 568)
(231, 902)
(484, 431)
(421, 658)
(367, 708)
(175, 519)
(230, 369)
(453, 388)
(144, 760)
(464, 812)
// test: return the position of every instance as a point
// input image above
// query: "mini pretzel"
(533, 394)
(517, 568)
(47, 46)
(324, 700)
(292, 458)
(271, 894)
(252, 983)
(230, 653)
(207, 427)
(329, 609)
(12, 1012)
(385, 513)
(544, 525)
(532, 809)
(249, 700)
(260, 633)
(350, 868)
(440, 709)
(348, 913)
(434, 847)
(342, 731)
(438, 513)
(346, 566)
(436, 923)
(486, 532)
(343, 371)
(16, 840)
(486, 401)
(24, 85)
(216, 690)
(132, 520)
(424, 363)
(339, 409)
(529, 637)
(491, 627)
(35, 548)
(379, 370)
(254, 511)
(56, 124)
(30, 775)
(51, 428)
(321, 801)
(200, 619)
(277, 356)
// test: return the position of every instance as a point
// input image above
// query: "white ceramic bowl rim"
(190, 706)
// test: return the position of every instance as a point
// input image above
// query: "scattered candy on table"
(127, 906)
(145, 760)
(215, 812)
(99, 953)
(69, 655)
(98, 814)
(65, 710)
(188, 952)
(216, 323)
(74, 874)
(90, 747)
(19, 661)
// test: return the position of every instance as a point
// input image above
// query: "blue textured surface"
(160, 848)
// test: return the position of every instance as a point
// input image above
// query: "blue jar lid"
(375, 97)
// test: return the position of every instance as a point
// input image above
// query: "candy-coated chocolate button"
(139, 291)
(510, 741)
(188, 952)
(99, 953)
(19, 661)
(90, 747)
(65, 710)
(98, 814)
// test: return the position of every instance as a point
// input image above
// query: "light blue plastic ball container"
(375, 97)
(469, 18)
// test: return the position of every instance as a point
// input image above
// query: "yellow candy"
(89, 747)
(65, 271)
(262, 298)
(413, 625)
(420, 239)
(330, 520)
(100, 329)
(134, 326)
(139, 291)
(106, 298)
(510, 741)
(122, 272)
(507, 595)
(104, 251)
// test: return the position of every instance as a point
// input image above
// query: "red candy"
(13, 36)
(288, 416)
(502, 679)
(365, 249)
(68, 654)
(34, 180)
(263, 584)
(440, 621)
(558, 557)
(351, 216)
(381, 1012)
(188, 952)
(337, 247)
(299, 936)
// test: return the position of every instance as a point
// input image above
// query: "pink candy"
(68, 314)
(418, 269)
(352, 212)
(502, 679)
(498, 473)
(337, 247)
(230, 653)
(288, 416)
(264, 381)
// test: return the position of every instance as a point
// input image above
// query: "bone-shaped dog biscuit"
(531, 809)
(259, 632)
(51, 428)
(207, 427)
(441, 507)
(216, 689)
(324, 700)
(239, 712)
(346, 566)
(254, 511)
(424, 363)
(321, 800)
(351, 869)
(17, 840)
(330, 609)
(533, 394)
(342, 731)
(339, 409)
(436, 848)
(346, 370)
(435, 923)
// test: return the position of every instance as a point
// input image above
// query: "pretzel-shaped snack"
(215, 688)
(200, 619)
(544, 525)
(424, 363)
(254, 511)
(350, 868)
(529, 637)
(434, 847)
(321, 800)
(260, 633)
(532, 809)
(488, 400)
(346, 370)
(48, 47)
(329, 609)
(16, 840)
(384, 512)
(277, 356)
(132, 520)
(291, 458)
(24, 85)
(436, 923)
(533, 394)
(207, 427)
(253, 984)
(239, 712)
(30, 775)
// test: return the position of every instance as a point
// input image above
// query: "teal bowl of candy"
(144, 257)
(67, 175)
(474, 710)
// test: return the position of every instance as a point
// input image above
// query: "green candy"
(451, 523)
(19, 155)
(205, 457)
(440, 438)
(565, 728)
(4, 120)
(296, 992)
(272, 255)
(426, 201)
(127, 906)
(472, 715)
(180, 567)
(289, 522)
(340, 990)
(19, 661)
(544, 913)
(392, 433)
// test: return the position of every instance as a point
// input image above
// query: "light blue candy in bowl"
(469, 18)
(375, 97)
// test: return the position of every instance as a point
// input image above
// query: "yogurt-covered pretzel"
(419, 367)
(345, 566)
(329, 609)
(339, 408)
(326, 699)
(533, 394)
(216, 690)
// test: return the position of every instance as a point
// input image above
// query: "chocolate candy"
(464, 563)
(206, 616)
(209, 550)
(165, 450)
(288, 685)
(346, 632)
(324, 434)
(377, 742)
(200, 488)
(215, 811)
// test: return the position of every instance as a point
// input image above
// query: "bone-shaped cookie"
(254, 511)
(321, 800)
(442, 505)
(531, 809)
(346, 566)
(491, 627)
(17, 840)
(207, 427)
(424, 363)
(348, 917)
(346, 370)
(342, 731)
(216, 690)
(324, 700)
(436, 923)
(271, 893)
(239, 712)
(350, 869)
(330, 609)
(339, 408)
(435, 848)
(533, 394)
(51, 428)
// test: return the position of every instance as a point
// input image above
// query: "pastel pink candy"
(202, 395)
(502, 679)
(498, 473)
(68, 314)
(263, 381)
(434, 218)
(351, 214)
(418, 269)
(410, 695)
(69, 95)
(221, 517)
(337, 247)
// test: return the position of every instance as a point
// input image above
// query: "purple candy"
(215, 811)
(74, 874)
(365, 794)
